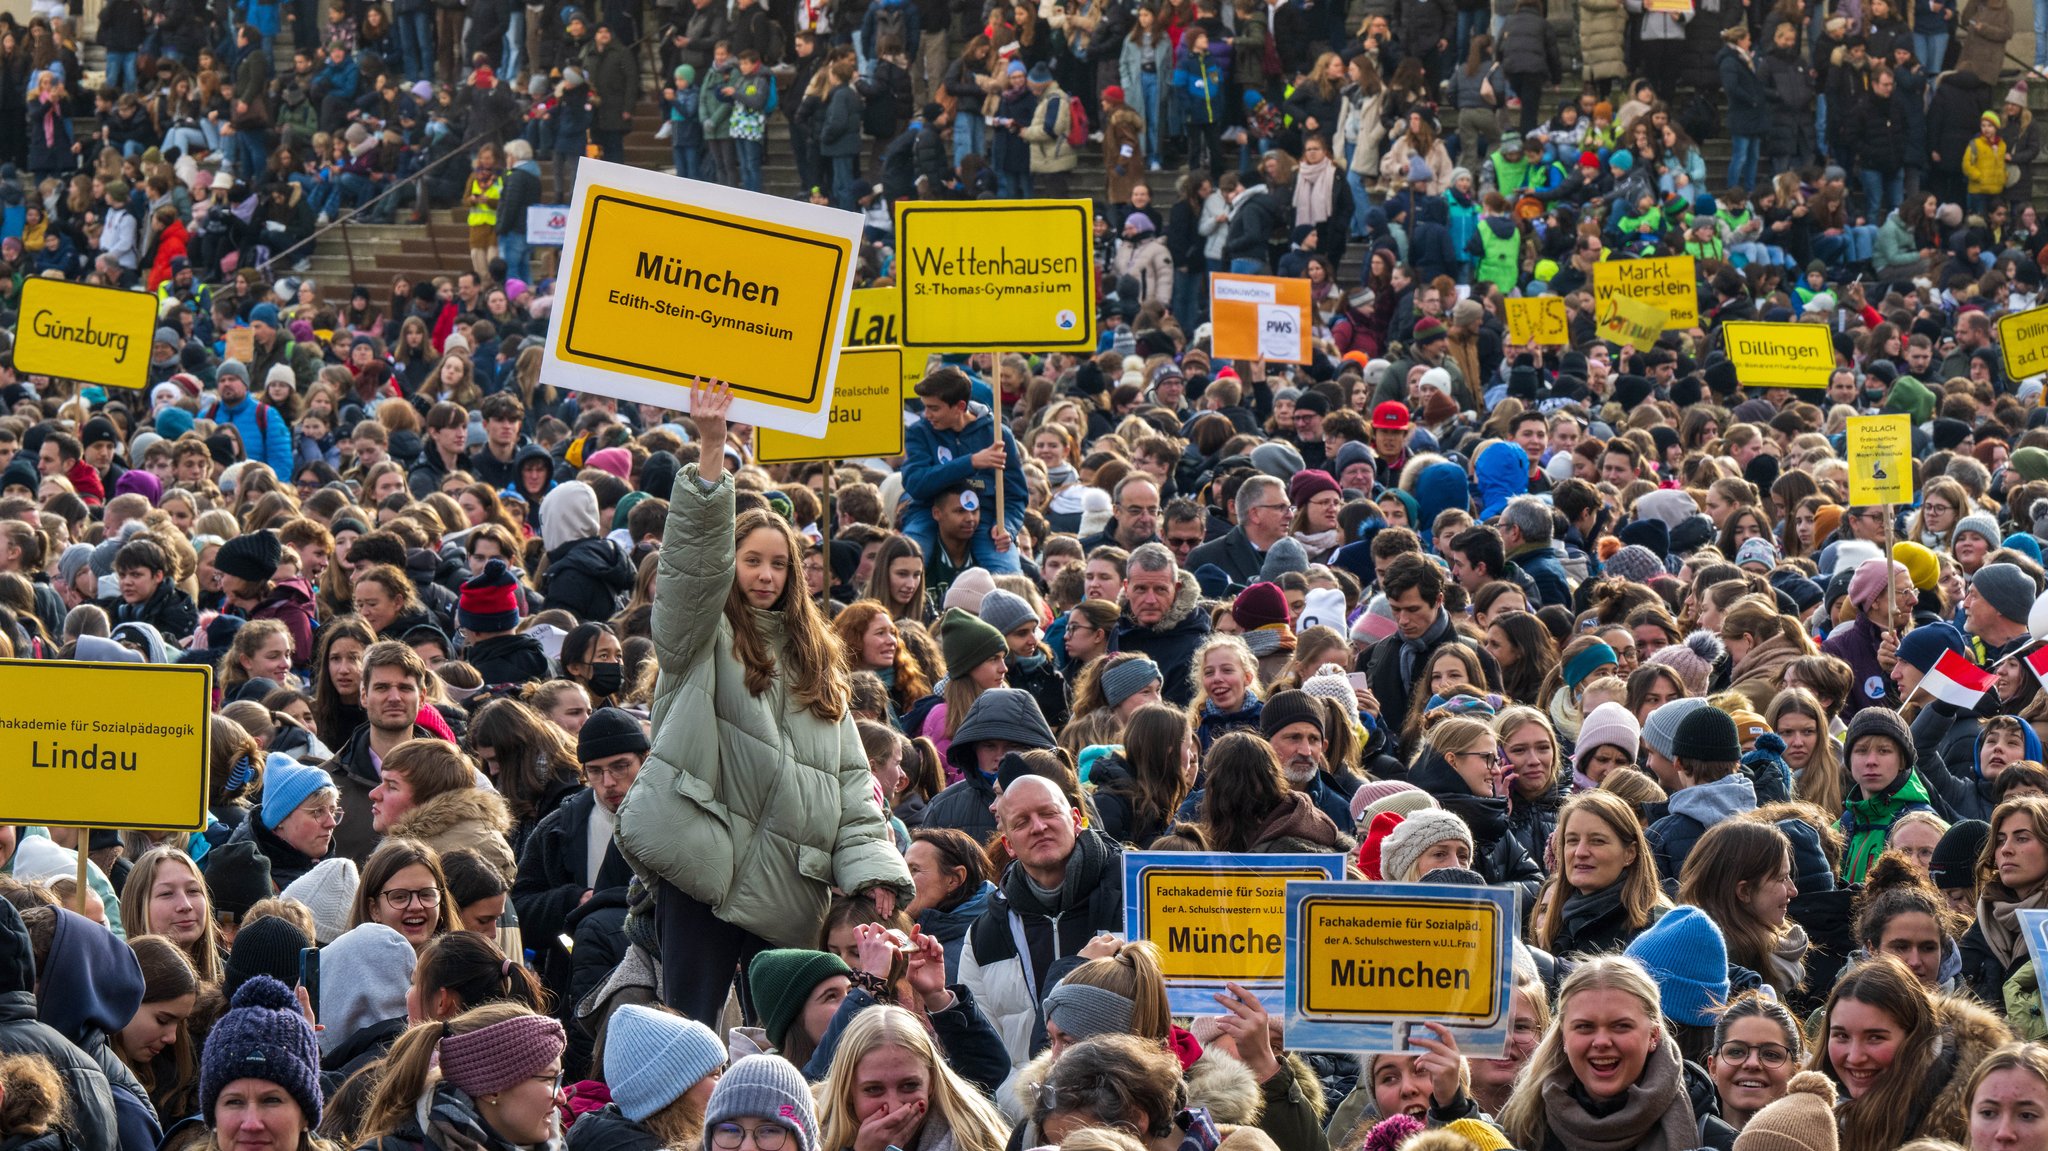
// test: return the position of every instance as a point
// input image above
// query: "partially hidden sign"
(1216, 918)
(1539, 320)
(1367, 962)
(667, 281)
(1259, 318)
(1880, 450)
(2023, 341)
(867, 414)
(104, 744)
(1667, 284)
(81, 332)
(1780, 355)
(875, 321)
(997, 275)
(1620, 320)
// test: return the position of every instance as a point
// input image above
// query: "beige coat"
(474, 817)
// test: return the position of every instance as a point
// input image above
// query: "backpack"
(1077, 125)
(1700, 119)
(262, 418)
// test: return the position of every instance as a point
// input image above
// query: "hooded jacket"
(473, 817)
(749, 803)
(1010, 985)
(1964, 793)
(1171, 642)
(91, 1124)
(934, 460)
(587, 577)
(1691, 812)
(1006, 714)
(89, 990)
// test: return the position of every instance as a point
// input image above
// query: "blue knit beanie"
(262, 1037)
(651, 1058)
(1686, 955)
(1922, 646)
(285, 787)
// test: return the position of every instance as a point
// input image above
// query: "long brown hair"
(531, 753)
(810, 655)
(1883, 1117)
(1729, 855)
(204, 954)
(167, 975)
(1245, 786)
(1640, 894)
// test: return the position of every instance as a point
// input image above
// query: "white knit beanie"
(1420, 831)
(329, 889)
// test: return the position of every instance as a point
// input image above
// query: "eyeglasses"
(325, 813)
(1272, 507)
(399, 900)
(1135, 511)
(732, 1136)
(1768, 1054)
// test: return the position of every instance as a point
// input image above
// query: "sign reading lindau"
(1216, 918)
(1367, 962)
(104, 744)
(997, 275)
(2023, 341)
(1667, 284)
(81, 332)
(666, 281)
(867, 414)
(1780, 355)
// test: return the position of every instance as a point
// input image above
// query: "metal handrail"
(468, 147)
(342, 222)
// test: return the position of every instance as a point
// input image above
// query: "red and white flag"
(2037, 662)
(1956, 680)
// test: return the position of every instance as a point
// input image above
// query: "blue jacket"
(1691, 812)
(1503, 473)
(934, 461)
(1541, 565)
(268, 442)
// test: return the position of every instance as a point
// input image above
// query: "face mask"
(607, 678)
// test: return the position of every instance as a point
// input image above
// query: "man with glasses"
(1263, 514)
(1136, 518)
(570, 867)
(394, 679)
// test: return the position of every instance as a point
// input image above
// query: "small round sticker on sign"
(1066, 320)
(969, 502)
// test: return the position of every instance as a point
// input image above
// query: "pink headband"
(495, 1058)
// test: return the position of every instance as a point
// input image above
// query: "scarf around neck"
(1998, 915)
(1655, 1112)
(1312, 191)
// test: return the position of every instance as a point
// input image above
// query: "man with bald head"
(1065, 890)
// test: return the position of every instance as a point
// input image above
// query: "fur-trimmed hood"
(1187, 597)
(1969, 1034)
(473, 817)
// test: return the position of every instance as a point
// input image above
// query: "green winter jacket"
(1911, 397)
(1895, 246)
(750, 804)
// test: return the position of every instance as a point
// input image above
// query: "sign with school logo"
(2023, 341)
(867, 414)
(667, 281)
(1368, 962)
(546, 224)
(996, 275)
(1669, 284)
(1259, 318)
(1216, 918)
(81, 332)
(1780, 355)
(1880, 451)
(104, 744)
(1539, 320)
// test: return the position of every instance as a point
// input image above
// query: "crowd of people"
(574, 776)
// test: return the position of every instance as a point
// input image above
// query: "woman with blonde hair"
(1610, 893)
(1459, 764)
(1761, 641)
(1815, 759)
(485, 1080)
(1608, 1074)
(262, 648)
(165, 895)
(889, 1073)
(1226, 688)
(1536, 786)
(1943, 504)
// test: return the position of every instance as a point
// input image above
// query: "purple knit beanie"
(495, 1058)
(264, 1036)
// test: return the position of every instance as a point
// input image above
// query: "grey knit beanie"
(2009, 590)
(1127, 678)
(1662, 727)
(765, 1087)
(1083, 1011)
(1417, 833)
(1006, 611)
(1876, 721)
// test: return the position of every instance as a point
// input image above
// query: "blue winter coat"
(934, 461)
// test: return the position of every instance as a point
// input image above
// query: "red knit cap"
(1259, 605)
(503, 1055)
(1383, 825)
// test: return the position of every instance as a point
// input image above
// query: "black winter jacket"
(586, 578)
(91, 1123)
